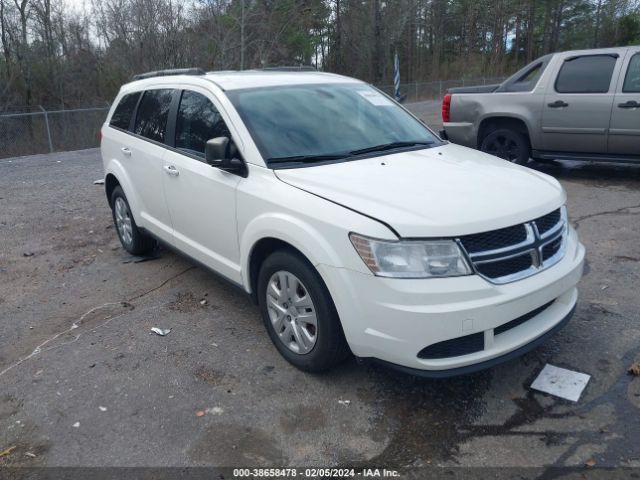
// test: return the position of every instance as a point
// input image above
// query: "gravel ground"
(84, 383)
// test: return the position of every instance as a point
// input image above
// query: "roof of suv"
(235, 80)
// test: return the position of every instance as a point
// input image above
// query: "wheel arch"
(260, 251)
(115, 175)
(110, 184)
(488, 124)
(268, 233)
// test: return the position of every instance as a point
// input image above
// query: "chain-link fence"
(420, 91)
(38, 130)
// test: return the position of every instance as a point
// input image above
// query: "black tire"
(508, 144)
(137, 243)
(330, 346)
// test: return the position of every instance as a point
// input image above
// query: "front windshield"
(326, 122)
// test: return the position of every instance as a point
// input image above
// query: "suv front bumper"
(392, 320)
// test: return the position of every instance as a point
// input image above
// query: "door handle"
(629, 104)
(126, 151)
(558, 104)
(171, 170)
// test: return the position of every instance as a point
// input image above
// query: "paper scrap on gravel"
(163, 332)
(561, 382)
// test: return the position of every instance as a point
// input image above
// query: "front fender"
(303, 236)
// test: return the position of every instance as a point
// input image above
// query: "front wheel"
(507, 144)
(299, 314)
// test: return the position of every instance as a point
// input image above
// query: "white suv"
(351, 224)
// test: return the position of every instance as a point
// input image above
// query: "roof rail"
(299, 68)
(166, 73)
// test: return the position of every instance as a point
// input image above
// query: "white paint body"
(217, 217)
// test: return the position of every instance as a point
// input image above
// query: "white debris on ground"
(161, 331)
(99, 182)
(561, 382)
(344, 402)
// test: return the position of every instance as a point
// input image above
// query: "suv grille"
(548, 221)
(516, 252)
(502, 268)
(494, 239)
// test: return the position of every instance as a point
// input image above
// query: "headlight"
(411, 259)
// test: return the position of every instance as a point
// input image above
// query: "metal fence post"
(46, 124)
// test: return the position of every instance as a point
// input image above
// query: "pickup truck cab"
(352, 225)
(582, 105)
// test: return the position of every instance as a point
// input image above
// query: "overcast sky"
(77, 5)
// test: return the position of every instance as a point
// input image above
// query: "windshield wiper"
(389, 146)
(307, 158)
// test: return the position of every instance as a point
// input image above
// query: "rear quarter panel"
(474, 108)
(112, 141)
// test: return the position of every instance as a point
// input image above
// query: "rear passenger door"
(624, 132)
(201, 198)
(145, 150)
(577, 107)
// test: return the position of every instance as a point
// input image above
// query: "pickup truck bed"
(571, 105)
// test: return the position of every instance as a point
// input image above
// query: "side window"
(588, 74)
(632, 79)
(198, 121)
(123, 112)
(153, 111)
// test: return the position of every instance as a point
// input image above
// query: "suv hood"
(444, 191)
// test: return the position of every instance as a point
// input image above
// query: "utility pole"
(242, 35)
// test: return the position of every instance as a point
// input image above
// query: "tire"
(132, 239)
(288, 317)
(507, 144)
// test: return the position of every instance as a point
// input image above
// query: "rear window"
(124, 111)
(588, 74)
(153, 111)
(527, 80)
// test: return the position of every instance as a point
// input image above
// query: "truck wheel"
(132, 239)
(299, 314)
(507, 144)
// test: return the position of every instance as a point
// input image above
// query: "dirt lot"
(84, 382)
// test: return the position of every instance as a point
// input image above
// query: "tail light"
(446, 108)
(99, 135)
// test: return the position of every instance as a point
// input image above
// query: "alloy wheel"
(123, 221)
(292, 312)
(503, 147)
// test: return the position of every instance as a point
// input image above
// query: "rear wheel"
(132, 239)
(507, 144)
(299, 314)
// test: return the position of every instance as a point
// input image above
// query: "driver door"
(624, 132)
(201, 198)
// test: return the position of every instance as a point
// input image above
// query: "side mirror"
(220, 153)
(216, 151)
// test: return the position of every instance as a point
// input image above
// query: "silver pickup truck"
(579, 105)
